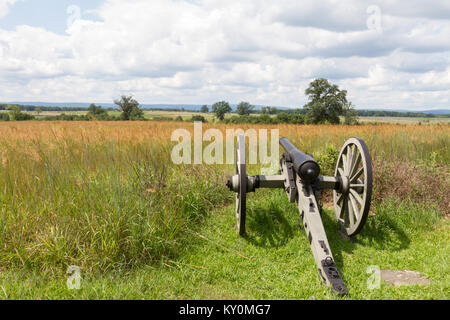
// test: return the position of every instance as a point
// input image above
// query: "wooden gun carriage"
(300, 178)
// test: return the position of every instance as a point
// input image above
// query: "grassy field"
(105, 196)
(210, 117)
(404, 120)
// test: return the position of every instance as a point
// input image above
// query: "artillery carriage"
(300, 178)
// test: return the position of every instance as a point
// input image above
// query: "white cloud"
(4, 7)
(208, 50)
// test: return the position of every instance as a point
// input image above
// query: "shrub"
(198, 118)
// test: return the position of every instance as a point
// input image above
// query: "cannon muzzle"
(304, 165)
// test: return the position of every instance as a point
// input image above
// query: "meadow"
(106, 197)
(187, 116)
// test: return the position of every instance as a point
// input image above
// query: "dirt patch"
(403, 277)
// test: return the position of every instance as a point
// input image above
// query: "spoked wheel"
(352, 200)
(241, 194)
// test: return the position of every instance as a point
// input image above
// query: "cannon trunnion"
(300, 178)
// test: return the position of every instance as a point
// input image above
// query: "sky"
(387, 54)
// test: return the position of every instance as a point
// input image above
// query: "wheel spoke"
(355, 207)
(357, 197)
(345, 211)
(344, 164)
(342, 208)
(356, 185)
(351, 217)
(339, 198)
(355, 165)
(349, 159)
(357, 175)
(341, 172)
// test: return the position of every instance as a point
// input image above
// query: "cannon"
(300, 178)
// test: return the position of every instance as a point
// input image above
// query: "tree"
(350, 114)
(220, 109)
(129, 108)
(326, 102)
(204, 109)
(272, 110)
(15, 114)
(244, 108)
(97, 112)
(4, 116)
(38, 111)
(283, 117)
(137, 114)
(198, 118)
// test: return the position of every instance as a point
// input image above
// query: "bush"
(198, 118)
(161, 118)
(67, 117)
(4, 116)
(15, 114)
(327, 160)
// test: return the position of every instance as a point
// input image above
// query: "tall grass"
(98, 204)
(107, 196)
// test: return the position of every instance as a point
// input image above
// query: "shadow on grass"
(381, 232)
(268, 227)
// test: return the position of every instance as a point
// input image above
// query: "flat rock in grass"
(403, 277)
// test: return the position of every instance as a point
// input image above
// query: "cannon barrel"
(304, 165)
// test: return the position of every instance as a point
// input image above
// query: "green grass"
(100, 209)
(273, 262)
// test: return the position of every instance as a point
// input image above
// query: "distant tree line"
(30, 108)
(127, 106)
(326, 104)
(383, 113)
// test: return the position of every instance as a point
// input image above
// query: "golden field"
(407, 141)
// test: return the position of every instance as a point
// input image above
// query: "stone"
(403, 277)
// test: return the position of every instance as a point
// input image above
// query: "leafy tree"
(4, 116)
(204, 109)
(265, 118)
(283, 117)
(220, 109)
(137, 114)
(97, 112)
(326, 102)
(244, 108)
(16, 115)
(273, 110)
(38, 111)
(198, 118)
(297, 118)
(129, 108)
(350, 114)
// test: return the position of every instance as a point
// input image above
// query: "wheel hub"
(345, 185)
